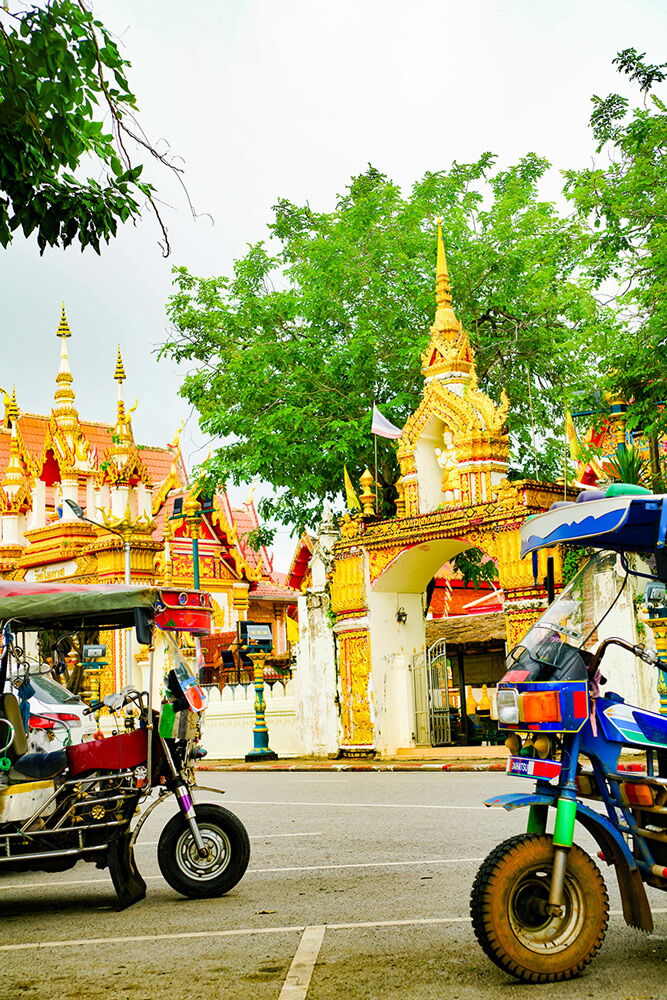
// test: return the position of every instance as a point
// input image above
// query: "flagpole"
(375, 438)
(565, 454)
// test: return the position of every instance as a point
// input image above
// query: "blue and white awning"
(620, 523)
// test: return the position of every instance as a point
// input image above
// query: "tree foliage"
(66, 107)
(625, 200)
(289, 352)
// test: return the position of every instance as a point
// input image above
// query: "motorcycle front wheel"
(227, 853)
(507, 906)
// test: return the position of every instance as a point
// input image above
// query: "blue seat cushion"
(39, 765)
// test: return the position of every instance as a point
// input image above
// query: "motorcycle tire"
(506, 905)
(228, 845)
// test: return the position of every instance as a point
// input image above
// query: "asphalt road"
(367, 874)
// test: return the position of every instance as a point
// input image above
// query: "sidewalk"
(420, 759)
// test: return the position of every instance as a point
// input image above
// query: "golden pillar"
(658, 626)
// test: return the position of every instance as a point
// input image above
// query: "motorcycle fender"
(162, 796)
(636, 908)
(518, 800)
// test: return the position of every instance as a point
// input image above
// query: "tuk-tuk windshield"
(550, 650)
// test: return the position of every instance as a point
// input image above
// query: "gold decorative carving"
(348, 591)
(354, 655)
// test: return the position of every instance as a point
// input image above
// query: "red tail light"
(37, 722)
(51, 720)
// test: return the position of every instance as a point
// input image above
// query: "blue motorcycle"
(539, 904)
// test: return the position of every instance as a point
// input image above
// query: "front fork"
(184, 799)
(563, 835)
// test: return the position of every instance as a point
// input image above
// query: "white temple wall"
(392, 645)
(230, 717)
(317, 719)
(316, 676)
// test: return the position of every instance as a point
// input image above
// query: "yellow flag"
(572, 439)
(351, 498)
(292, 630)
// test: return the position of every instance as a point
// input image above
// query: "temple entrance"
(452, 494)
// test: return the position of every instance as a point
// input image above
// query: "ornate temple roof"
(98, 455)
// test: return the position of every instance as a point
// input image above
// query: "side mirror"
(143, 625)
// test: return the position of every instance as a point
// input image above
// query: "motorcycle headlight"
(508, 707)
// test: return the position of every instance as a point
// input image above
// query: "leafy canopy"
(290, 351)
(61, 76)
(625, 201)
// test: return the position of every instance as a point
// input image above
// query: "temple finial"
(119, 374)
(13, 409)
(63, 327)
(64, 395)
(443, 291)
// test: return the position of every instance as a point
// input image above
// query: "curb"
(454, 766)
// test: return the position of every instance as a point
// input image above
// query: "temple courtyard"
(366, 874)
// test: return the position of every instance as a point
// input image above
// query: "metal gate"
(430, 687)
(438, 679)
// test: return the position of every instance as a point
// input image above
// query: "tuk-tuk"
(78, 803)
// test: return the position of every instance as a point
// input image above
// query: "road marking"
(259, 871)
(237, 932)
(272, 836)
(301, 970)
(365, 864)
(255, 836)
(242, 932)
(352, 805)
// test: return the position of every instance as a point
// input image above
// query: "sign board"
(93, 652)
(256, 637)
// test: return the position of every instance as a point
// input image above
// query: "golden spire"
(119, 374)
(12, 410)
(449, 349)
(14, 475)
(65, 413)
(443, 291)
(63, 328)
(123, 428)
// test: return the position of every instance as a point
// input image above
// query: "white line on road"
(242, 932)
(260, 871)
(301, 970)
(255, 836)
(263, 836)
(366, 864)
(351, 805)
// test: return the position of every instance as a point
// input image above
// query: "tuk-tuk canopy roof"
(68, 605)
(620, 523)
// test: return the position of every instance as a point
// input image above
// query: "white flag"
(383, 427)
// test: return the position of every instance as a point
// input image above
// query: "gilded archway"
(453, 493)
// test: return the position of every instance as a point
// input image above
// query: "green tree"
(66, 106)
(625, 200)
(290, 351)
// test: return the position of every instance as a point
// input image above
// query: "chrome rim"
(218, 852)
(540, 932)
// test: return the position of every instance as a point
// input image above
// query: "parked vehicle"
(57, 718)
(78, 802)
(539, 903)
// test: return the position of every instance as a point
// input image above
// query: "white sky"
(288, 98)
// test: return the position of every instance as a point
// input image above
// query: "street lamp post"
(255, 639)
(81, 514)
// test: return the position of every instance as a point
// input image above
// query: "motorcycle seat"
(38, 765)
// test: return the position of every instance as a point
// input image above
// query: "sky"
(268, 99)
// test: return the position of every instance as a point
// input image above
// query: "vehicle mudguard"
(615, 851)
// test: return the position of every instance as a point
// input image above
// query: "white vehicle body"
(56, 716)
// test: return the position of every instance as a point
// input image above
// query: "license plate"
(533, 767)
